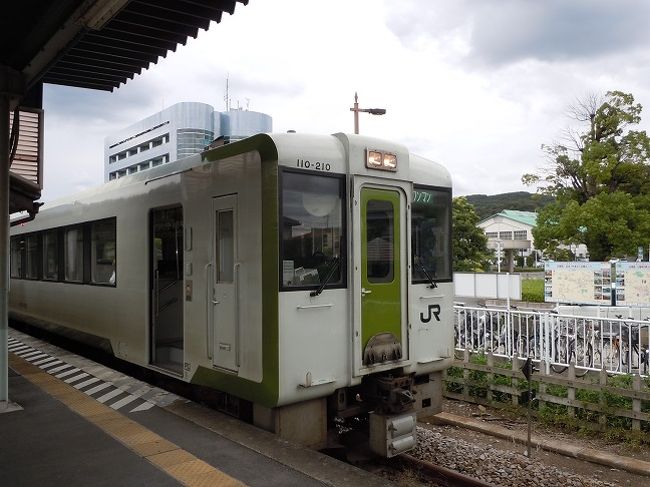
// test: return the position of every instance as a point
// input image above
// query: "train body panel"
(281, 269)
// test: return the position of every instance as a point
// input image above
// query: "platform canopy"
(95, 44)
(98, 44)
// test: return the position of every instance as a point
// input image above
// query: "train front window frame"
(313, 230)
(431, 234)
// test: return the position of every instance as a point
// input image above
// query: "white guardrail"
(618, 345)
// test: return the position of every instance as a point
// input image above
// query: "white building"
(512, 232)
(181, 130)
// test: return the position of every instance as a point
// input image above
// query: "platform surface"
(80, 423)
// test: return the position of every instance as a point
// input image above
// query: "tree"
(600, 179)
(469, 241)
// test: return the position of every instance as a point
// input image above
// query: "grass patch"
(532, 290)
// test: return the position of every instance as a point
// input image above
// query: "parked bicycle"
(574, 344)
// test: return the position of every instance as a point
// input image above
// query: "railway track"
(440, 475)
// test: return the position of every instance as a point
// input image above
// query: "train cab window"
(431, 234)
(312, 230)
(50, 256)
(73, 254)
(102, 252)
(33, 257)
(17, 262)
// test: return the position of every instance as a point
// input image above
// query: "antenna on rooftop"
(227, 97)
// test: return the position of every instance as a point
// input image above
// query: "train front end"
(366, 284)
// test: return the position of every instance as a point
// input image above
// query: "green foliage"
(555, 390)
(469, 241)
(601, 183)
(488, 205)
(582, 421)
(532, 290)
(588, 396)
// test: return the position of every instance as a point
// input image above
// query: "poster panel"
(632, 283)
(578, 282)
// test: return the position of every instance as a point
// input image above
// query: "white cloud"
(475, 85)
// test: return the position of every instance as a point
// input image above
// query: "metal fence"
(616, 345)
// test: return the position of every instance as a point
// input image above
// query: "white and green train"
(307, 275)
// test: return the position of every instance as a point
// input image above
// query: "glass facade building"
(174, 133)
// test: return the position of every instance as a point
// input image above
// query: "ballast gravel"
(494, 466)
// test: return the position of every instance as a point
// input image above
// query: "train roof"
(271, 147)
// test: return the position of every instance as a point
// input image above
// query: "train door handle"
(365, 291)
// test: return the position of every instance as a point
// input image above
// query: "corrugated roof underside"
(138, 35)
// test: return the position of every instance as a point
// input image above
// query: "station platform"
(79, 423)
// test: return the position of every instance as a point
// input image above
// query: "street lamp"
(356, 110)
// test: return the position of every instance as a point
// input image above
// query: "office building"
(176, 132)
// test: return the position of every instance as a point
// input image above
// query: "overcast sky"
(477, 85)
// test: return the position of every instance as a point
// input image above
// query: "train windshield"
(313, 230)
(431, 234)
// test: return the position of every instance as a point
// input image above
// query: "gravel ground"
(494, 465)
(502, 462)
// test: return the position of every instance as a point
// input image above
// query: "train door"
(225, 283)
(382, 276)
(167, 288)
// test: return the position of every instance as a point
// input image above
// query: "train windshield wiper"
(432, 283)
(330, 273)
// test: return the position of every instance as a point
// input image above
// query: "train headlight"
(390, 162)
(384, 161)
(374, 160)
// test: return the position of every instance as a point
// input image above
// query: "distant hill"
(487, 205)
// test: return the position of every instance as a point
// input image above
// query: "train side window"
(431, 234)
(51, 256)
(102, 257)
(312, 235)
(17, 262)
(73, 254)
(33, 257)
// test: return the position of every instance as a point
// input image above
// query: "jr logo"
(434, 311)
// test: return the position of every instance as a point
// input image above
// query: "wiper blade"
(330, 273)
(432, 283)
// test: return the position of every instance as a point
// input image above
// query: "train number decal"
(317, 165)
(434, 312)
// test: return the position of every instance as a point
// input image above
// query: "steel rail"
(441, 475)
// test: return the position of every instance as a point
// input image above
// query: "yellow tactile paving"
(170, 458)
(209, 479)
(102, 417)
(87, 409)
(153, 448)
(138, 437)
(187, 469)
(165, 455)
